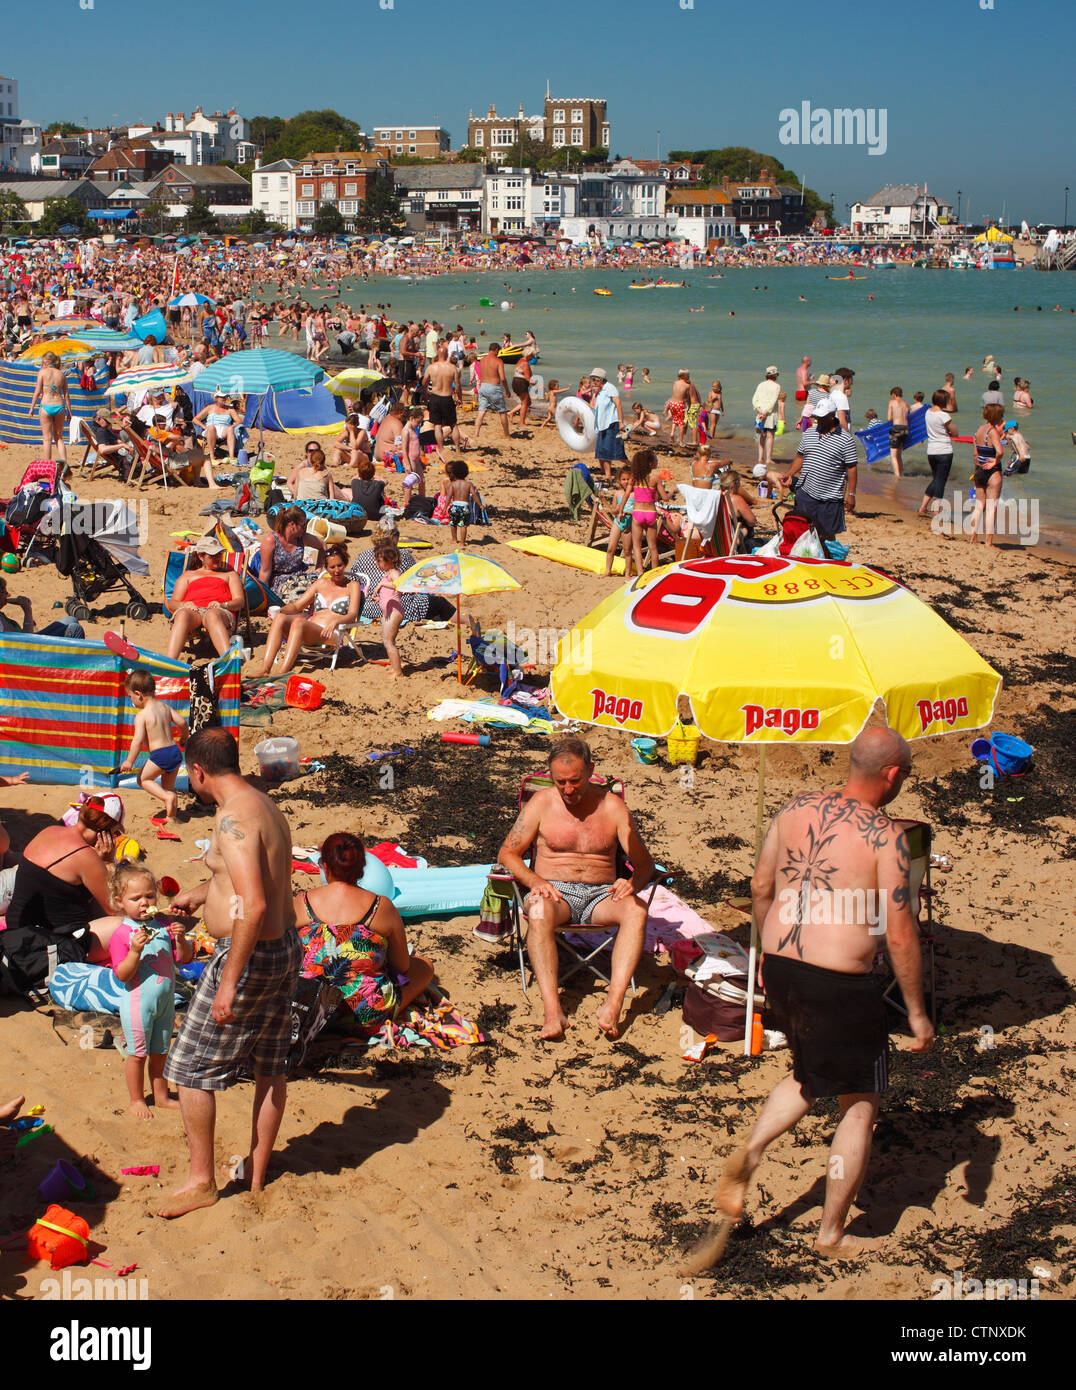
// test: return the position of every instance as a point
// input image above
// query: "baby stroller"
(97, 547)
(39, 489)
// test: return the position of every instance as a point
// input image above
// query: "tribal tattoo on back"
(811, 864)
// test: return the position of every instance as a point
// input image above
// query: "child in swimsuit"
(411, 448)
(144, 950)
(461, 492)
(620, 531)
(153, 728)
(552, 391)
(644, 520)
(387, 559)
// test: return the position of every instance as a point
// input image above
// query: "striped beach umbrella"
(160, 375)
(190, 300)
(352, 381)
(257, 371)
(454, 575)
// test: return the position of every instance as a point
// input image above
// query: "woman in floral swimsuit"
(355, 939)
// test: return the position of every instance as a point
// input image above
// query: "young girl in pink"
(644, 517)
(387, 559)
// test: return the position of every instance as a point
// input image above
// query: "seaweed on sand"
(1015, 803)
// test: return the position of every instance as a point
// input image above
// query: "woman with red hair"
(355, 939)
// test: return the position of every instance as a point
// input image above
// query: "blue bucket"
(1009, 755)
(645, 750)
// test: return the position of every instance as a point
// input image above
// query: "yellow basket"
(683, 744)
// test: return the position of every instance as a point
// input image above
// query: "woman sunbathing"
(336, 599)
(355, 939)
(206, 598)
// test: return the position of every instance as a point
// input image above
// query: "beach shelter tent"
(316, 411)
(65, 716)
(17, 380)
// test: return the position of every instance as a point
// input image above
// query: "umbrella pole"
(459, 644)
(752, 963)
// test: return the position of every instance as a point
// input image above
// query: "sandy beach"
(519, 1169)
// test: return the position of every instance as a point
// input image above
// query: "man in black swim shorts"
(832, 880)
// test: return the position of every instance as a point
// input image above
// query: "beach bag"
(204, 710)
(420, 506)
(1009, 755)
(718, 1006)
(479, 515)
(314, 1004)
(29, 957)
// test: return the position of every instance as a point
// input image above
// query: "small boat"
(511, 353)
(669, 285)
(846, 277)
(646, 285)
(603, 292)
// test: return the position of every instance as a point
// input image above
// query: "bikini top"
(338, 605)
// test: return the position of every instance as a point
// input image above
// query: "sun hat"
(824, 379)
(209, 545)
(773, 371)
(598, 374)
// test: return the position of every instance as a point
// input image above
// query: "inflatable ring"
(572, 413)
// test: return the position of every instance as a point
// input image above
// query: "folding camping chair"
(919, 836)
(88, 436)
(601, 512)
(179, 560)
(149, 458)
(701, 539)
(491, 651)
(508, 890)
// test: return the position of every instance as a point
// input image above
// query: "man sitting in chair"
(576, 828)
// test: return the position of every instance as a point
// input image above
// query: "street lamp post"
(959, 195)
(832, 196)
(1065, 219)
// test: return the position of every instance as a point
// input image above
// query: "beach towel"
(578, 488)
(703, 505)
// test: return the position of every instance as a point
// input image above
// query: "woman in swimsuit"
(208, 597)
(987, 475)
(311, 480)
(60, 900)
(219, 420)
(336, 600)
(55, 408)
(283, 564)
(703, 468)
(355, 939)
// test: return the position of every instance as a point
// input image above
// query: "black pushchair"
(98, 549)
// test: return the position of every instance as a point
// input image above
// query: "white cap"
(823, 407)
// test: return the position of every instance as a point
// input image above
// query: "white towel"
(702, 508)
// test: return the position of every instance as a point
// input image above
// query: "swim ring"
(575, 424)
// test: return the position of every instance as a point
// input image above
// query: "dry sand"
(530, 1170)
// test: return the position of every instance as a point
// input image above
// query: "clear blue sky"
(975, 99)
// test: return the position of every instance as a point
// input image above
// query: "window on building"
(479, 139)
(349, 205)
(350, 189)
(308, 169)
(410, 149)
(577, 116)
(558, 116)
(283, 183)
(399, 149)
(328, 190)
(263, 183)
(306, 209)
(493, 204)
(399, 135)
(504, 136)
(349, 169)
(308, 190)
(411, 135)
(558, 137)
(577, 137)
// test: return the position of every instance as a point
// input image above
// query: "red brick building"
(341, 178)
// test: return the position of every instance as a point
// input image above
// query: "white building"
(201, 139)
(442, 199)
(20, 141)
(553, 198)
(624, 204)
(273, 191)
(507, 202)
(704, 217)
(902, 209)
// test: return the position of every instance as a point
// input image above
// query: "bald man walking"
(832, 880)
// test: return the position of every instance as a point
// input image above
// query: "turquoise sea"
(918, 325)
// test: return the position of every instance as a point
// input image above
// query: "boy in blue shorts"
(153, 729)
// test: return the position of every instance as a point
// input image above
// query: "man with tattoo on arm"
(241, 1011)
(831, 879)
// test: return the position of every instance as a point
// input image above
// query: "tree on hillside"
(63, 128)
(471, 154)
(62, 213)
(264, 130)
(313, 132)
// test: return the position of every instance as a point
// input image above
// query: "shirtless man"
(578, 828)
(832, 877)
(241, 1012)
(445, 393)
(897, 416)
(678, 404)
(803, 376)
(492, 390)
(950, 390)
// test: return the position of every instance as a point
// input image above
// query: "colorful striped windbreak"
(65, 715)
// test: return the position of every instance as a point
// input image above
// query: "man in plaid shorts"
(241, 1012)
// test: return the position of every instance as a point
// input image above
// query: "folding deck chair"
(179, 560)
(508, 890)
(710, 539)
(919, 836)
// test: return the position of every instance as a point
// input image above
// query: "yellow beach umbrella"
(352, 381)
(453, 575)
(66, 349)
(769, 650)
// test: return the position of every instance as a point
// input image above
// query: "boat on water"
(962, 259)
(670, 284)
(646, 285)
(846, 277)
(609, 292)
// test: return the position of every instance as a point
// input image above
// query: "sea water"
(918, 325)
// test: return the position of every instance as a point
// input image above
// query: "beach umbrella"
(189, 301)
(68, 325)
(352, 381)
(108, 340)
(66, 349)
(769, 650)
(256, 371)
(453, 575)
(161, 376)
